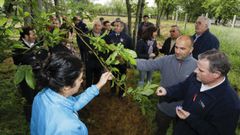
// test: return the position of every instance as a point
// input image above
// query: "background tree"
(118, 6)
(141, 11)
(129, 15)
(226, 9)
(193, 8)
(135, 31)
(159, 14)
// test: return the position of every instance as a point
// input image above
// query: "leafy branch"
(141, 95)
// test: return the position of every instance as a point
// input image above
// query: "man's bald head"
(183, 47)
(186, 40)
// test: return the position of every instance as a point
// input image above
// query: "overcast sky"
(150, 2)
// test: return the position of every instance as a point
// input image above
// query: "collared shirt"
(196, 37)
(29, 44)
(205, 87)
(96, 34)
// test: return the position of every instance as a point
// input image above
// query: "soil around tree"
(111, 115)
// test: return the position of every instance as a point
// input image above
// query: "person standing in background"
(169, 43)
(203, 39)
(147, 49)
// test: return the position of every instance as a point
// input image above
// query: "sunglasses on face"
(172, 31)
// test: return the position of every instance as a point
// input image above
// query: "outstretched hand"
(103, 80)
(161, 91)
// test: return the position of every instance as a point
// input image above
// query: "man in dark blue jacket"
(203, 39)
(115, 37)
(211, 106)
(94, 69)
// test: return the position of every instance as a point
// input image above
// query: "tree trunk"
(141, 11)
(56, 2)
(159, 13)
(8, 6)
(136, 23)
(28, 8)
(40, 5)
(129, 11)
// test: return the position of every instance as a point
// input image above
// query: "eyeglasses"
(172, 31)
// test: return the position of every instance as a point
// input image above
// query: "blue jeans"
(142, 77)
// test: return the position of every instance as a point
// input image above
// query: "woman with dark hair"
(147, 49)
(54, 109)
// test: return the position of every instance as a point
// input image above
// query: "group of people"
(195, 95)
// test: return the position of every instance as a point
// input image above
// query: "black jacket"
(166, 47)
(212, 112)
(206, 41)
(29, 56)
(142, 49)
(81, 28)
(122, 38)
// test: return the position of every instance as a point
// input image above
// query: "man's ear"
(191, 49)
(216, 74)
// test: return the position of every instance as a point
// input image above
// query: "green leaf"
(26, 14)
(9, 32)
(29, 77)
(147, 92)
(123, 77)
(130, 89)
(150, 86)
(132, 53)
(19, 75)
(3, 21)
(111, 58)
(114, 69)
(20, 10)
(56, 31)
(132, 61)
(18, 46)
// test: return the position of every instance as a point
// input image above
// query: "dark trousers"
(29, 94)
(93, 73)
(163, 122)
(83, 55)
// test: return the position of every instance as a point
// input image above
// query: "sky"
(150, 2)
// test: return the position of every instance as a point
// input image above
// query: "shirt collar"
(59, 99)
(186, 59)
(29, 44)
(117, 34)
(206, 88)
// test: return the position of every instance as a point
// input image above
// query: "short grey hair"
(206, 20)
(97, 22)
(218, 61)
